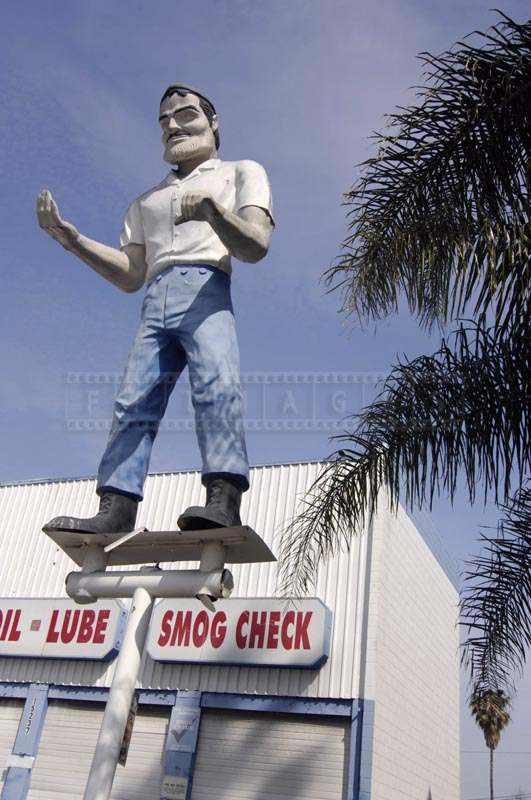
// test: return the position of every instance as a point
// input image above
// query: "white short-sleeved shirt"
(150, 218)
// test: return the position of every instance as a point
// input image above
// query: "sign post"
(108, 747)
(94, 552)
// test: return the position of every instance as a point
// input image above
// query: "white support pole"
(95, 559)
(105, 758)
(212, 557)
(159, 583)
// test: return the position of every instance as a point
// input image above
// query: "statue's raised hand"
(50, 221)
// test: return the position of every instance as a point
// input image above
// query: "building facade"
(376, 718)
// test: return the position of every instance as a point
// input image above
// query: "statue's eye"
(187, 115)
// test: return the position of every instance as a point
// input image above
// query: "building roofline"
(420, 519)
(70, 478)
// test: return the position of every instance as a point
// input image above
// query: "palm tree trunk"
(491, 773)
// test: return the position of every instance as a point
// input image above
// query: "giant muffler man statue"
(177, 240)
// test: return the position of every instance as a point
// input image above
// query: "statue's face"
(186, 131)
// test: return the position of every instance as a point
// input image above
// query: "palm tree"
(489, 710)
(495, 604)
(440, 217)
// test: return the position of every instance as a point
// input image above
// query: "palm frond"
(496, 601)
(462, 408)
(441, 213)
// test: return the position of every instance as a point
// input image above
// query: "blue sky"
(299, 87)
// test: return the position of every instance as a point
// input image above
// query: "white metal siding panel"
(270, 757)
(33, 566)
(141, 778)
(413, 666)
(10, 713)
(67, 746)
(65, 751)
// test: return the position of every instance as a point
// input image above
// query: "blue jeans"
(187, 318)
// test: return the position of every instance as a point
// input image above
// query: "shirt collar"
(212, 163)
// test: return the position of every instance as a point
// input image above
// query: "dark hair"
(208, 107)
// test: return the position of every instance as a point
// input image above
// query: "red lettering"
(14, 634)
(258, 629)
(101, 627)
(165, 627)
(272, 636)
(219, 629)
(241, 640)
(68, 630)
(9, 625)
(181, 629)
(86, 627)
(301, 630)
(7, 622)
(200, 631)
(53, 635)
(287, 640)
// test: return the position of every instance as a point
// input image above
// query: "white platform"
(243, 545)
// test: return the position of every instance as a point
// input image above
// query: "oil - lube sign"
(255, 632)
(58, 628)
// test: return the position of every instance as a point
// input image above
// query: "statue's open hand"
(195, 206)
(50, 220)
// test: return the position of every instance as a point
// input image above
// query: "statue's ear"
(214, 123)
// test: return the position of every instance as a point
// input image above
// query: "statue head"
(189, 125)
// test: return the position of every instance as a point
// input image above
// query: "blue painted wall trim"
(17, 782)
(236, 702)
(363, 750)
(98, 694)
(32, 720)
(279, 705)
(352, 763)
(181, 742)
(15, 690)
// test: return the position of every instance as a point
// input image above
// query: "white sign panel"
(255, 632)
(174, 788)
(59, 628)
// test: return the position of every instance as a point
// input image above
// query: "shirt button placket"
(174, 208)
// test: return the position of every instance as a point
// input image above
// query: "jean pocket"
(150, 288)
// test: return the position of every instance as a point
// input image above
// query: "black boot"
(222, 508)
(117, 514)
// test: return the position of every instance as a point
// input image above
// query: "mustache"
(177, 137)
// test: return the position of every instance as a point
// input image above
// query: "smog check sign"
(257, 632)
(59, 628)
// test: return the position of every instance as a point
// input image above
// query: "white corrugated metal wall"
(412, 658)
(32, 566)
(68, 741)
(265, 756)
(10, 713)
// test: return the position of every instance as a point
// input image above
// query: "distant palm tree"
(489, 710)
(441, 217)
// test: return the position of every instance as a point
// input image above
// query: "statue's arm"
(125, 268)
(246, 234)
